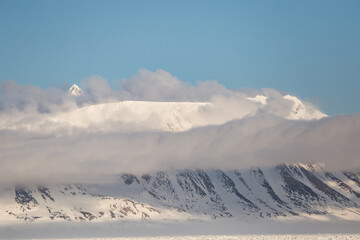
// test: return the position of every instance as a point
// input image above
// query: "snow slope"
(158, 116)
(140, 115)
(75, 90)
(285, 192)
(168, 116)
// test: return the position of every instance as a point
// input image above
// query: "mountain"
(171, 116)
(139, 115)
(295, 191)
(285, 191)
(156, 116)
(75, 90)
(300, 111)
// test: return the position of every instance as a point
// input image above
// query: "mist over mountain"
(162, 150)
(157, 122)
(185, 120)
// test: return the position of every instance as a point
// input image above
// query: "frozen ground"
(185, 230)
(241, 237)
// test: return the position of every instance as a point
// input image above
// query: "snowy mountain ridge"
(75, 90)
(283, 192)
(156, 116)
(171, 116)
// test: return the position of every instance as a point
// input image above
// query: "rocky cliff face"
(285, 191)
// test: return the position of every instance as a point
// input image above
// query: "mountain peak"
(75, 90)
(302, 111)
(282, 192)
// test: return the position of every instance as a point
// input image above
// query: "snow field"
(239, 237)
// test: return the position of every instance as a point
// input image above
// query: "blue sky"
(307, 48)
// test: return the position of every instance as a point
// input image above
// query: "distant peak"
(301, 111)
(75, 90)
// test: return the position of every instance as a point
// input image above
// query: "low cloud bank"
(238, 129)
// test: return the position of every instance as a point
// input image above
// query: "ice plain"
(240, 237)
(121, 230)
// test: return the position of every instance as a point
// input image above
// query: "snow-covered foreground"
(240, 237)
(256, 229)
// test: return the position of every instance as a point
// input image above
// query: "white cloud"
(50, 135)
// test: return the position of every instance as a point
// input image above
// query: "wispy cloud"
(49, 135)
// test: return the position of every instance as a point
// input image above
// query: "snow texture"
(283, 193)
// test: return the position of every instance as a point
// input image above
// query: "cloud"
(162, 86)
(48, 135)
(27, 99)
(101, 108)
(256, 141)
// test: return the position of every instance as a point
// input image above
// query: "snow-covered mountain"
(173, 116)
(285, 191)
(114, 115)
(139, 115)
(75, 90)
